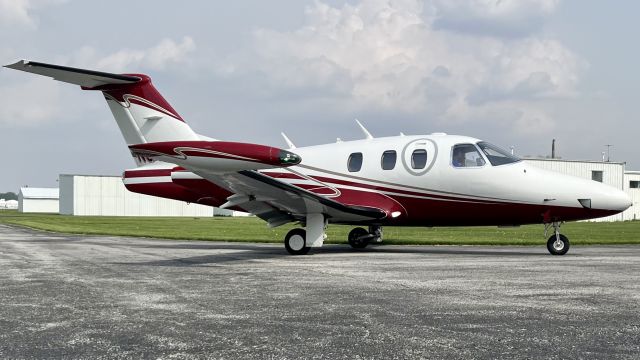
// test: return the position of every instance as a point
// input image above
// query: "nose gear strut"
(557, 244)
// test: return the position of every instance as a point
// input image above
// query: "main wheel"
(358, 238)
(558, 246)
(296, 242)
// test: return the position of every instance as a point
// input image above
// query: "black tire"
(358, 238)
(560, 248)
(292, 242)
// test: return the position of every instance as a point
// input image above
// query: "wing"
(278, 202)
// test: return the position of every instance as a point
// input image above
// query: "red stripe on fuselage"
(143, 89)
(331, 181)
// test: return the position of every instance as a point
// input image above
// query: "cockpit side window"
(496, 155)
(466, 155)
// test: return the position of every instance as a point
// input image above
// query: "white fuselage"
(515, 186)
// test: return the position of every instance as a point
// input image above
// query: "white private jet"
(423, 180)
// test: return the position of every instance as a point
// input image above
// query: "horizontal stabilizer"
(82, 77)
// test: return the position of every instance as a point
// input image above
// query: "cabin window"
(355, 162)
(634, 184)
(596, 175)
(388, 161)
(496, 155)
(466, 155)
(419, 159)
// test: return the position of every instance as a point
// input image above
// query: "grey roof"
(575, 161)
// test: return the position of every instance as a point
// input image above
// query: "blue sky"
(514, 72)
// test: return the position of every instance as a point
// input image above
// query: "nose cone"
(621, 201)
(612, 199)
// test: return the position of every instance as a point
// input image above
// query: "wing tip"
(17, 65)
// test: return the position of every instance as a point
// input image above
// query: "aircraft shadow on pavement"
(232, 252)
(483, 250)
(249, 252)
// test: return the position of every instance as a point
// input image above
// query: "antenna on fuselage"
(401, 133)
(288, 141)
(366, 132)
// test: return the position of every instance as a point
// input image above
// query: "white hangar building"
(38, 200)
(91, 195)
(610, 173)
(8, 204)
(632, 187)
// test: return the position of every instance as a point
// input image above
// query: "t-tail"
(142, 114)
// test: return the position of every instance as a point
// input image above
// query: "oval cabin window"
(419, 159)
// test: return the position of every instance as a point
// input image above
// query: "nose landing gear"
(557, 244)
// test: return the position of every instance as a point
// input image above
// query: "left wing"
(278, 202)
(232, 166)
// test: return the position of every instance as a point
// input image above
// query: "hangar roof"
(40, 193)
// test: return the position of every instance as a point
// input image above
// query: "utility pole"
(553, 148)
(608, 152)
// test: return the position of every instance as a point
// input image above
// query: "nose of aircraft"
(614, 199)
(622, 201)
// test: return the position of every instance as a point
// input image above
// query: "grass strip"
(254, 230)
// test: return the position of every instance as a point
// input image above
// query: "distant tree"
(9, 196)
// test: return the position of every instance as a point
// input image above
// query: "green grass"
(255, 230)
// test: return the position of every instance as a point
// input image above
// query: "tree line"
(9, 196)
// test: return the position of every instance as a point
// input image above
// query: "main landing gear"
(359, 238)
(557, 244)
(295, 242)
(300, 241)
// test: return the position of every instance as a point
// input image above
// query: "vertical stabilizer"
(142, 114)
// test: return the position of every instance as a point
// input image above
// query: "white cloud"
(21, 12)
(393, 55)
(29, 102)
(492, 17)
(16, 12)
(157, 57)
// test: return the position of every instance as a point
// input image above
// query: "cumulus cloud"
(29, 102)
(508, 18)
(21, 12)
(19, 92)
(406, 55)
(157, 57)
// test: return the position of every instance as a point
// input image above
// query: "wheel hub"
(296, 242)
(558, 245)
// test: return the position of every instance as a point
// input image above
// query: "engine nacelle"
(216, 156)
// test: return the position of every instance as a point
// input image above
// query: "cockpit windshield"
(496, 155)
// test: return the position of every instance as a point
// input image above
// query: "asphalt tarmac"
(114, 297)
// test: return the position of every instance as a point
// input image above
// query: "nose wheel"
(557, 244)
